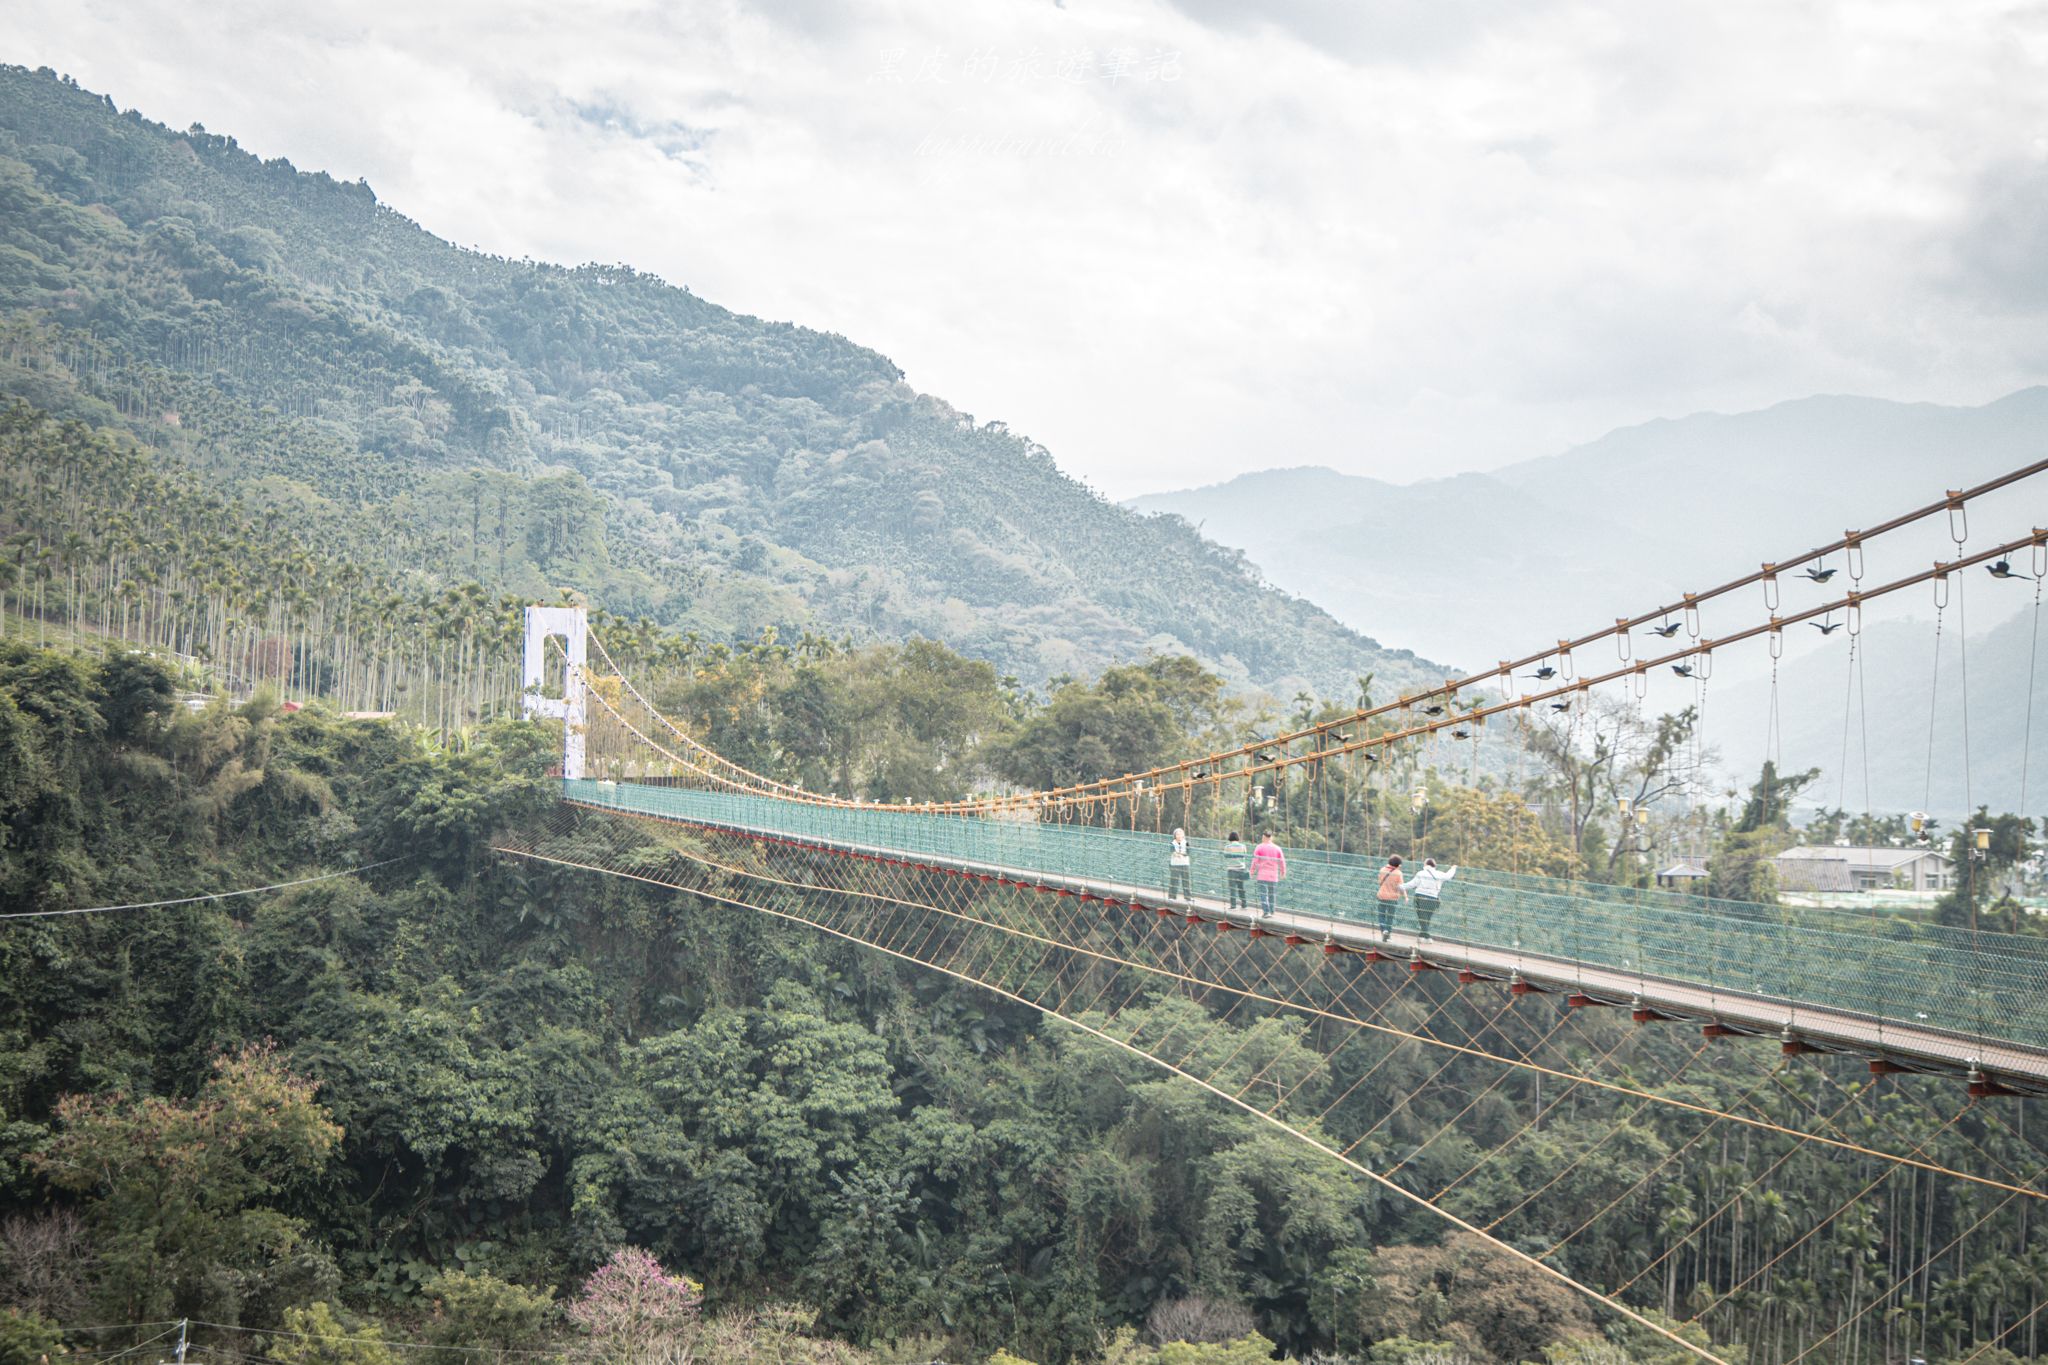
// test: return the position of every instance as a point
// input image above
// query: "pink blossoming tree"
(633, 1309)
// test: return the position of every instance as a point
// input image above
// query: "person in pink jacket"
(1269, 865)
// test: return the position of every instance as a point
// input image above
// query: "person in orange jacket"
(1392, 889)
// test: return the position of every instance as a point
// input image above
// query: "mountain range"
(1477, 565)
(447, 416)
(438, 415)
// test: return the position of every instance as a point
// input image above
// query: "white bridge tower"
(572, 625)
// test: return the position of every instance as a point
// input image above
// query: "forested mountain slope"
(448, 414)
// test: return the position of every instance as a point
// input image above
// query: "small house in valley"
(1830, 867)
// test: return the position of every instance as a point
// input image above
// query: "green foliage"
(178, 1191)
(1131, 719)
(535, 1068)
(26, 1339)
(1741, 868)
(453, 417)
(1498, 830)
(890, 722)
(1770, 799)
(1340, 1298)
(1980, 874)
(1637, 1345)
(1251, 1349)
(476, 1309)
(1408, 1351)
(314, 1335)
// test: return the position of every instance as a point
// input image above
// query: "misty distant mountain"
(1470, 567)
(1461, 568)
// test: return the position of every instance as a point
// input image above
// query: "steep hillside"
(448, 414)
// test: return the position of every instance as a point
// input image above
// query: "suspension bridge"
(1064, 900)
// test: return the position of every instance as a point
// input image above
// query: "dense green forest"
(450, 416)
(425, 1100)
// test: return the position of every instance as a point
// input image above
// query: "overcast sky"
(1178, 240)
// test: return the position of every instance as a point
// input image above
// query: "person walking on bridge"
(1237, 862)
(1428, 888)
(1269, 865)
(1178, 867)
(1391, 890)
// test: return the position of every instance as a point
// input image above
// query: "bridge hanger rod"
(1954, 498)
(947, 969)
(673, 757)
(1119, 787)
(1941, 569)
(1246, 991)
(1705, 645)
(761, 782)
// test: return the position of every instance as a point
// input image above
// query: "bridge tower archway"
(572, 626)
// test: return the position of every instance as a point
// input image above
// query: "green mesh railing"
(1991, 985)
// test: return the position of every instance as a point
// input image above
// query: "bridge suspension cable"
(1094, 794)
(1687, 607)
(1054, 956)
(209, 896)
(1100, 1031)
(1050, 941)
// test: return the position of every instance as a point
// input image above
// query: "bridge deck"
(1918, 996)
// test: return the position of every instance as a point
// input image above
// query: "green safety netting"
(1991, 985)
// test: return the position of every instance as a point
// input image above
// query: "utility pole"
(184, 1324)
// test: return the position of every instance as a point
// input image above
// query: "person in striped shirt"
(1237, 862)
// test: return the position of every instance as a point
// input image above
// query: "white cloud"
(1402, 240)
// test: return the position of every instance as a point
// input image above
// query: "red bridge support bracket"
(1983, 1087)
(1884, 1066)
(1294, 940)
(1520, 987)
(1579, 1000)
(1719, 1030)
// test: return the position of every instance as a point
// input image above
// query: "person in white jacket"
(1427, 887)
(1178, 868)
